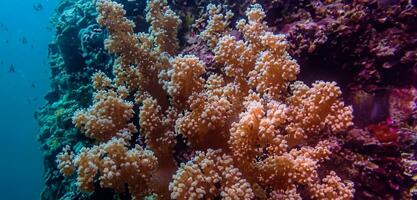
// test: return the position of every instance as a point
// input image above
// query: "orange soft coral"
(217, 24)
(271, 134)
(314, 109)
(116, 165)
(184, 78)
(139, 55)
(65, 161)
(210, 174)
(157, 128)
(209, 113)
(262, 142)
(106, 118)
(164, 26)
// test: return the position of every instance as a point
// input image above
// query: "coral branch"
(65, 161)
(106, 118)
(116, 166)
(164, 25)
(157, 128)
(217, 25)
(208, 175)
(184, 78)
(210, 112)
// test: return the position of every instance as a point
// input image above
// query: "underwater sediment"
(231, 100)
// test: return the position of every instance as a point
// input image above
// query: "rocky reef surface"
(369, 47)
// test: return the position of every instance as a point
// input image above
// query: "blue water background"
(21, 93)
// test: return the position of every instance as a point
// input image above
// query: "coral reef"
(195, 99)
(257, 72)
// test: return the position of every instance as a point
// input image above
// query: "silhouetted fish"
(33, 85)
(24, 40)
(3, 27)
(11, 69)
(38, 7)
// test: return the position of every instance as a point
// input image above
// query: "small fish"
(11, 69)
(24, 40)
(33, 85)
(3, 27)
(38, 7)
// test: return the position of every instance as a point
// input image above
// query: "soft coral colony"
(251, 130)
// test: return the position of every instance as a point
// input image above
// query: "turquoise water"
(22, 93)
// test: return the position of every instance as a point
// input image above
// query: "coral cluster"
(117, 167)
(271, 133)
(199, 177)
(108, 117)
